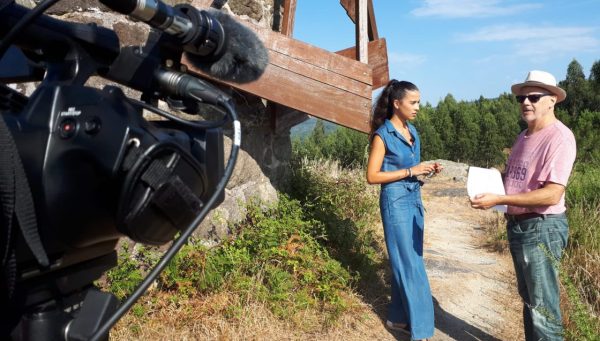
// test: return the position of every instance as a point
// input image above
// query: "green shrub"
(347, 206)
(581, 263)
(129, 273)
(273, 258)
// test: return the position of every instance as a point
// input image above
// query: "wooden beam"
(289, 12)
(311, 80)
(272, 111)
(350, 7)
(287, 118)
(362, 36)
(373, 34)
(312, 97)
(312, 55)
(283, 118)
(378, 61)
(307, 70)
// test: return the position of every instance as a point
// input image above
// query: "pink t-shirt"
(545, 156)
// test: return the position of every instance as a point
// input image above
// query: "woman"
(394, 162)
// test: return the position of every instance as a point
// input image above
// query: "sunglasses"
(532, 98)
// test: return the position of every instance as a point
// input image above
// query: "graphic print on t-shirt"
(516, 174)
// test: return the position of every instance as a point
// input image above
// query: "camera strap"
(172, 196)
(17, 201)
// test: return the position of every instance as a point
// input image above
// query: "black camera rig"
(80, 167)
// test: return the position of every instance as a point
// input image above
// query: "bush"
(581, 263)
(274, 257)
(347, 206)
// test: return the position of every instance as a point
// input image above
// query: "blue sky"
(468, 48)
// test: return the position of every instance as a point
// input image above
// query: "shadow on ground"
(456, 328)
(446, 323)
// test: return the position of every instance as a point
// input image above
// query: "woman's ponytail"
(382, 110)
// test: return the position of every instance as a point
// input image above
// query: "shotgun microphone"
(214, 42)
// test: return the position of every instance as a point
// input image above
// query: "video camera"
(80, 167)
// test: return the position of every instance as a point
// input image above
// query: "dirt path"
(474, 289)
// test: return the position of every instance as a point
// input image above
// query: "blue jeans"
(536, 246)
(403, 226)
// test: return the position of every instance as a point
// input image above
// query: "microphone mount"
(198, 32)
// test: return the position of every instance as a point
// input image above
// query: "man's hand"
(485, 201)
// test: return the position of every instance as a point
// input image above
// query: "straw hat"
(541, 79)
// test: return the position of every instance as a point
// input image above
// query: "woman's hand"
(437, 168)
(423, 168)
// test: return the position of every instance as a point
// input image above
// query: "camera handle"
(95, 309)
(64, 304)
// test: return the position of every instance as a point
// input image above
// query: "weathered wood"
(313, 55)
(272, 109)
(378, 61)
(311, 80)
(321, 100)
(289, 12)
(287, 29)
(373, 34)
(321, 75)
(288, 117)
(362, 37)
(350, 7)
(307, 95)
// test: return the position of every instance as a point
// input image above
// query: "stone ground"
(474, 288)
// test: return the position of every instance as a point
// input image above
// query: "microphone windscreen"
(245, 57)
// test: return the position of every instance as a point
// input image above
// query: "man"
(537, 172)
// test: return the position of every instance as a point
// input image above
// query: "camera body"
(89, 155)
(97, 170)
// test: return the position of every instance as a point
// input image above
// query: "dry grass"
(212, 318)
(494, 225)
(586, 267)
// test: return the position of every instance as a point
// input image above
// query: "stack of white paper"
(484, 180)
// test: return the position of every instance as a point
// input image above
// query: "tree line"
(476, 132)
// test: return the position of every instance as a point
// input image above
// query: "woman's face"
(408, 107)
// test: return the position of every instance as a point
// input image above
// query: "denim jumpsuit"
(403, 225)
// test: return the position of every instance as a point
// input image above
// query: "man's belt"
(530, 215)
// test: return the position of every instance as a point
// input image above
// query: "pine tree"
(594, 82)
(466, 125)
(577, 89)
(431, 143)
(490, 146)
(508, 118)
(442, 122)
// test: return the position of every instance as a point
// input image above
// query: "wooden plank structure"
(304, 79)
(289, 13)
(377, 61)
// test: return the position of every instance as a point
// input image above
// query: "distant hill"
(305, 128)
